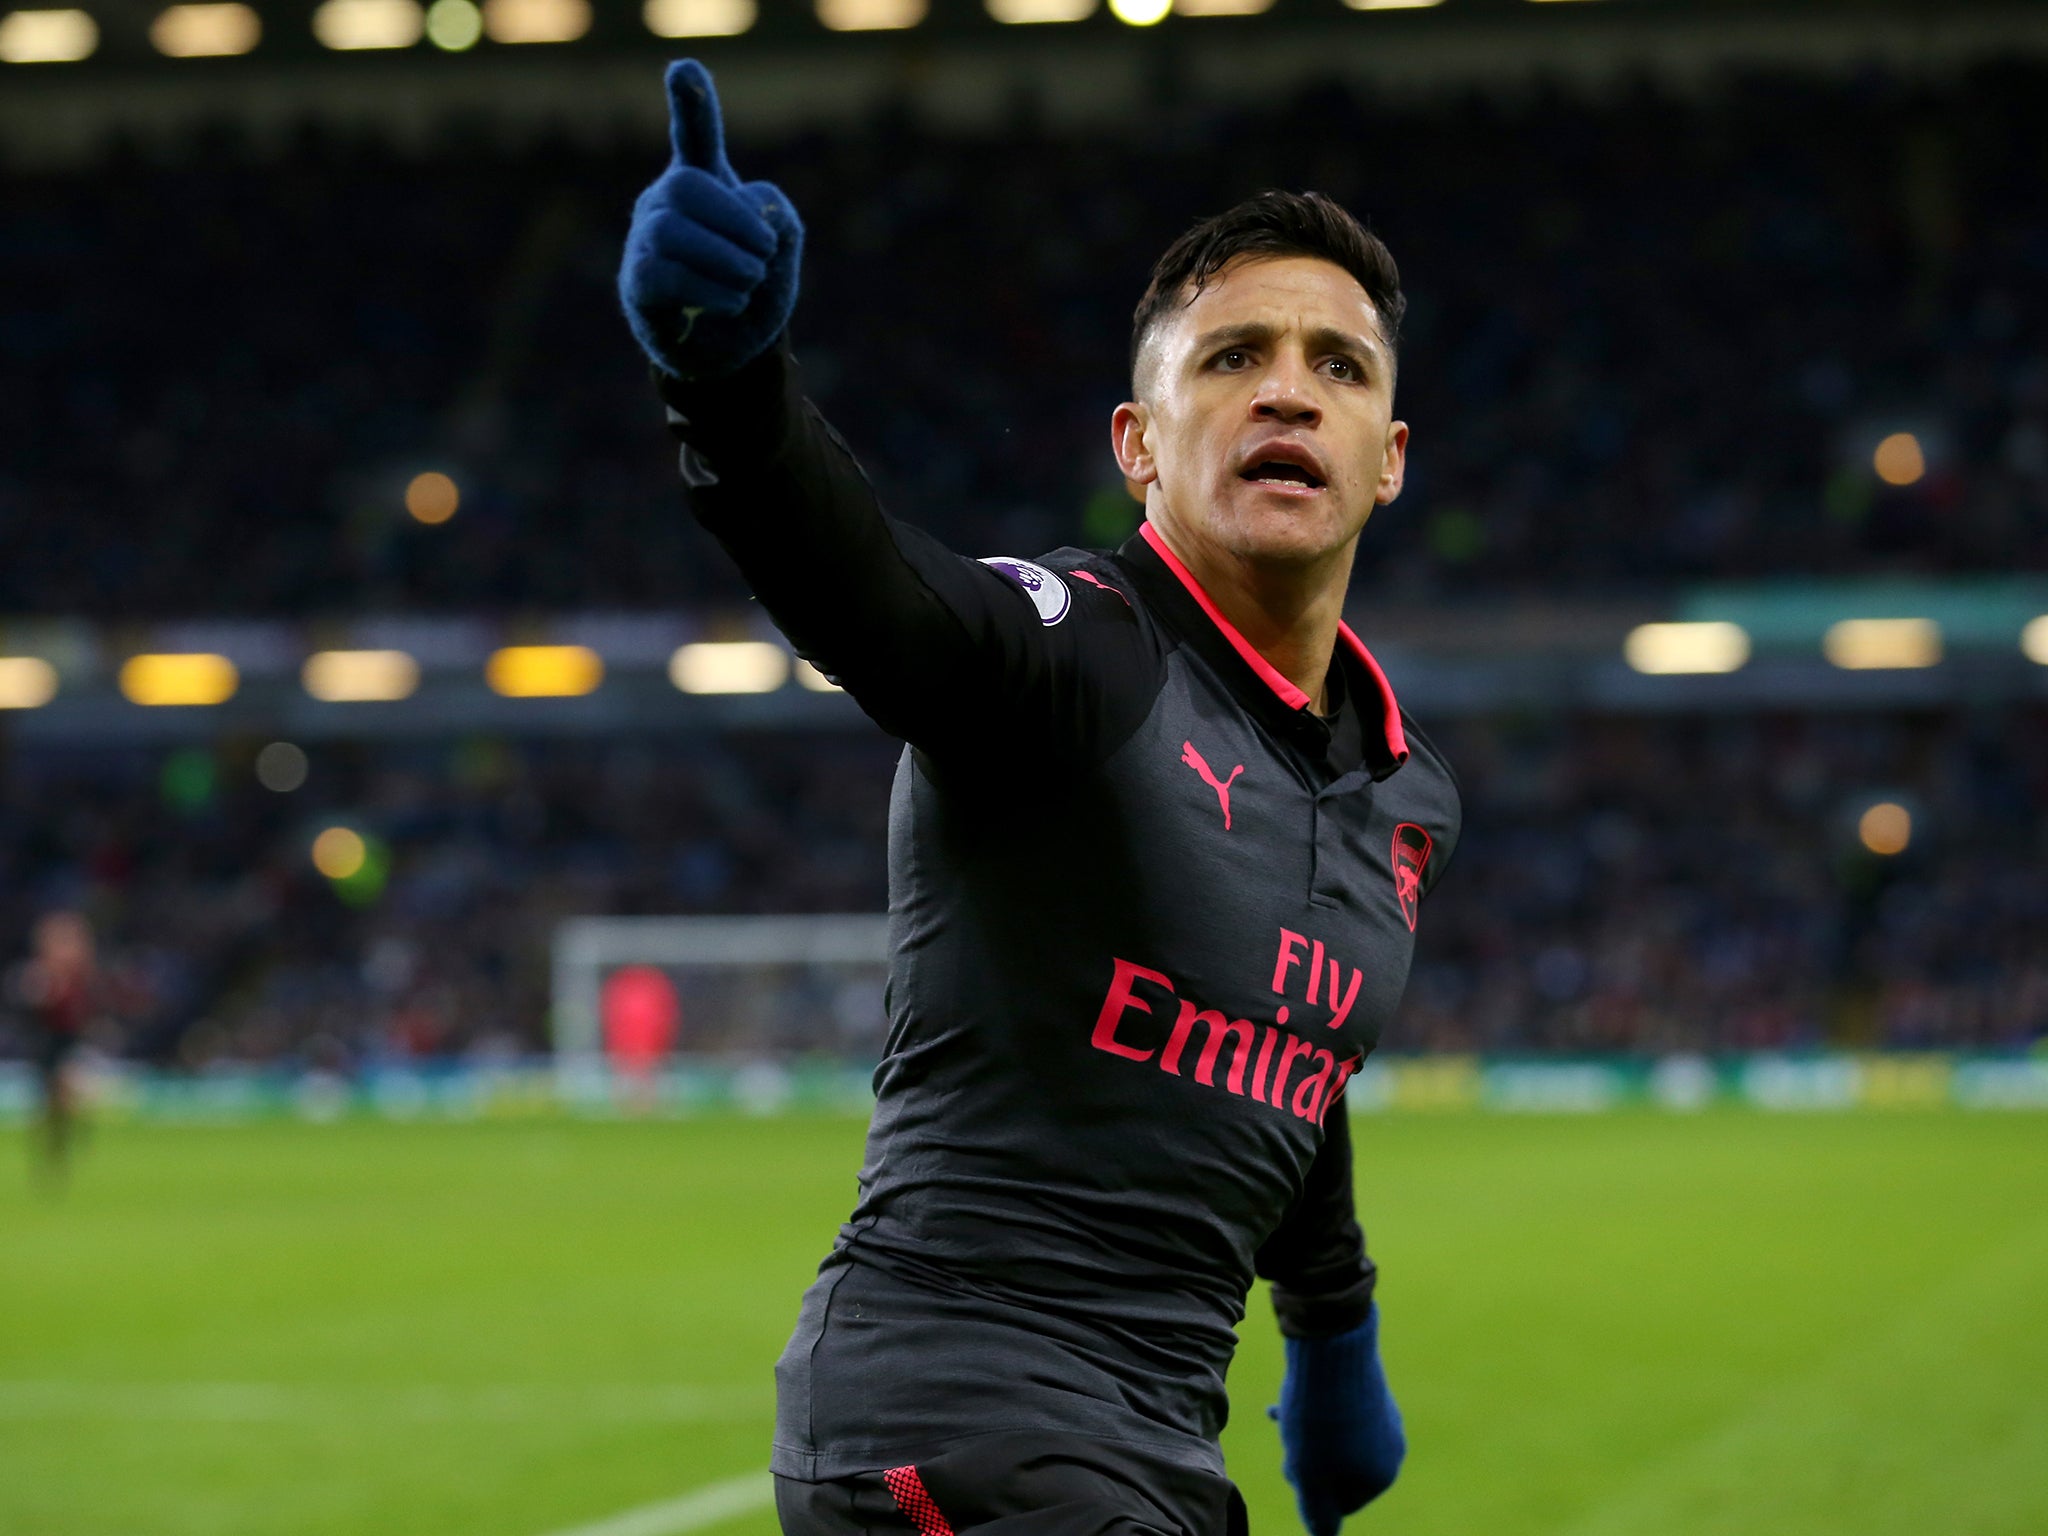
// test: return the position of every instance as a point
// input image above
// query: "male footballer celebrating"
(1157, 847)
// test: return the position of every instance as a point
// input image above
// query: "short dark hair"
(1272, 224)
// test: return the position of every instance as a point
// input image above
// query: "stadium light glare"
(1886, 828)
(360, 677)
(1140, 13)
(282, 767)
(536, 21)
(430, 498)
(1899, 459)
(808, 676)
(871, 15)
(1392, 5)
(454, 25)
(1222, 7)
(699, 18)
(26, 682)
(193, 678)
(1025, 13)
(2034, 640)
(340, 852)
(206, 31)
(1869, 645)
(350, 25)
(1669, 649)
(729, 666)
(544, 671)
(47, 37)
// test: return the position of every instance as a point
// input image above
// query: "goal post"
(743, 987)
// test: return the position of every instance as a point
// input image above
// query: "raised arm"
(934, 646)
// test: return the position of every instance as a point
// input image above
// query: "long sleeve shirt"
(1148, 913)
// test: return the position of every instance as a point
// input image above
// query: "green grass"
(1627, 1325)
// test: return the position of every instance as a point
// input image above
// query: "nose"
(1285, 394)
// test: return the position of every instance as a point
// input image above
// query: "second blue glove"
(1339, 1426)
(709, 275)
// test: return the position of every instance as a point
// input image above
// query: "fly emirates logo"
(1279, 1069)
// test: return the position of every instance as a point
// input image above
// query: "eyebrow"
(1323, 338)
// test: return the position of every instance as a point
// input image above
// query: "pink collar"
(1288, 694)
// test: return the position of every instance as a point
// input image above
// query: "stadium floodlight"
(1222, 7)
(340, 853)
(191, 678)
(1669, 649)
(430, 497)
(1025, 13)
(1868, 645)
(810, 677)
(349, 25)
(699, 18)
(536, 21)
(2034, 640)
(1885, 828)
(1392, 5)
(282, 767)
(26, 682)
(1899, 459)
(206, 31)
(358, 677)
(1140, 13)
(871, 15)
(454, 25)
(729, 666)
(544, 671)
(47, 37)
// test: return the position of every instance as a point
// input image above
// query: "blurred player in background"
(1157, 850)
(54, 988)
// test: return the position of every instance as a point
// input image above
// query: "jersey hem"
(811, 1466)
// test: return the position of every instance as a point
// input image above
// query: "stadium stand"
(1627, 884)
(1668, 359)
(1654, 338)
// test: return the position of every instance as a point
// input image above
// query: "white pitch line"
(710, 1505)
(229, 1402)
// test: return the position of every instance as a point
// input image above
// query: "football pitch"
(1620, 1325)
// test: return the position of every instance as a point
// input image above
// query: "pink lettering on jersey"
(1287, 959)
(1120, 999)
(1310, 1101)
(1294, 1050)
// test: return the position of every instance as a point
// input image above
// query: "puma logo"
(1193, 759)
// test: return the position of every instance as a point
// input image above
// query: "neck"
(1288, 612)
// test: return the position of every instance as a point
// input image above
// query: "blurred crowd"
(1709, 882)
(1653, 337)
(1633, 885)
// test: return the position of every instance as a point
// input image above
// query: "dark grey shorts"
(1022, 1484)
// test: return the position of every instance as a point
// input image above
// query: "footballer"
(1158, 844)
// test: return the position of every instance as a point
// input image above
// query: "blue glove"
(709, 274)
(1339, 1428)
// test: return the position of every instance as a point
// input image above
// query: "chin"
(1288, 534)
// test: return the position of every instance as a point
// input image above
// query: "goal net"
(752, 1010)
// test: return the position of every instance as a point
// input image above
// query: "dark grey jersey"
(1149, 913)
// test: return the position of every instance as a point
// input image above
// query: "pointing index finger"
(696, 131)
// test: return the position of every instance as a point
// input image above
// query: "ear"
(1128, 425)
(1393, 464)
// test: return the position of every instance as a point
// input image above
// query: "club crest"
(1411, 857)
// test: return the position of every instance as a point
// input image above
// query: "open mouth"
(1283, 474)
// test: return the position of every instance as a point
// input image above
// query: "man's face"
(1264, 425)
